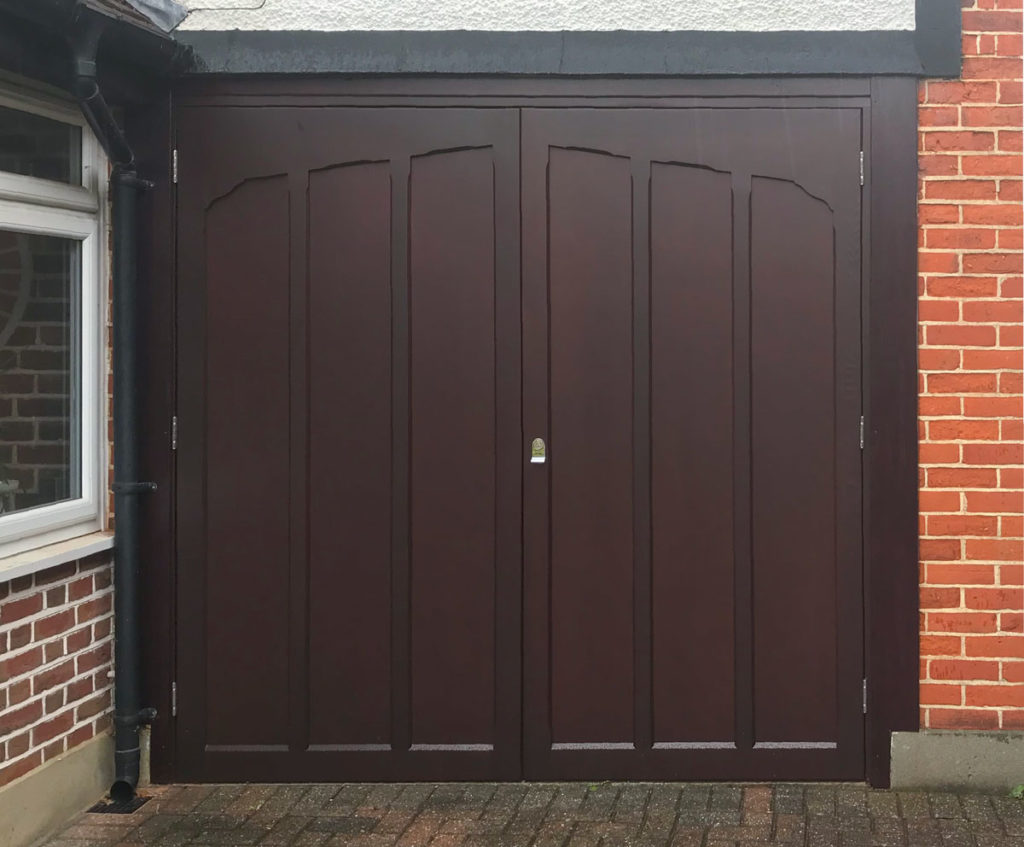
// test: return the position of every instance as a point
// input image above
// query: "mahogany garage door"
(383, 576)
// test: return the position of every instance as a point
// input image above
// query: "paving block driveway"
(562, 815)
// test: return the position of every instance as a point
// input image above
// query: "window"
(52, 296)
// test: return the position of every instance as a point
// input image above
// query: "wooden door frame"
(889, 339)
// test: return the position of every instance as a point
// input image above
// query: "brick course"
(55, 661)
(971, 361)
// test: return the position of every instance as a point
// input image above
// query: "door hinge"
(174, 432)
(174, 699)
(861, 168)
(174, 167)
(861, 432)
(864, 697)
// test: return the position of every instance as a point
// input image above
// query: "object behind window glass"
(32, 145)
(40, 387)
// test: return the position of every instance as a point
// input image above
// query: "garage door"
(519, 442)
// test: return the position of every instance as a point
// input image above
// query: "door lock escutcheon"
(538, 451)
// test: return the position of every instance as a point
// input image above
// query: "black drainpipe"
(125, 186)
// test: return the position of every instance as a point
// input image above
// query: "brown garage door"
(376, 582)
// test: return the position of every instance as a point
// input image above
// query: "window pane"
(40, 391)
(36, 146)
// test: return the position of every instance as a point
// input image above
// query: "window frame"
(79, 212)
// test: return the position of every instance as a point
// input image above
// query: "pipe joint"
(141, 718)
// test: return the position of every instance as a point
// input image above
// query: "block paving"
(552, 815)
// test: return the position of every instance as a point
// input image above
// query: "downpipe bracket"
(133, 487)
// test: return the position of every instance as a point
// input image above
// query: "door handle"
(538, 452)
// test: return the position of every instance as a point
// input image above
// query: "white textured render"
(551, 15)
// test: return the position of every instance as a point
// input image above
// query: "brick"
(992, 263)
(994, 646)
(933, 550)
(991, 165)
(963, 669)
(20, 663)
(963, 429)
(1008, 116)
(957, 141)
(941, 694)
(993, 454)
(15, 719)
(1013, 672)
(991, 407)
(958, 525)
(994, 214)
(52, 677)
(1010, 189)
(54, 624)
(938, 360)
(14, 610)
(990, 360)
(20, 767)
(995, 695)
(960, 574)
(962, 286)
(939, 213)
(991, 21)
(993, 598)
(939, 501)
(960, 238)
(972, 383)
(50, 729)
(958, 335)
(962, 719)
(962, 478)
(965, 622)
(940, 598)
(957, 92)
(994, 311)
(995, 550)
(991, 69)
(938, 310)
(1009, 140)
(961, 189)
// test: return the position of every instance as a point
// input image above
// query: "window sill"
(41, 558)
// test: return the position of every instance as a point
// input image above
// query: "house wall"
(55, 663)
(550, 15)
(970, 264)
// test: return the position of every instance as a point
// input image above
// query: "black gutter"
(84, 35)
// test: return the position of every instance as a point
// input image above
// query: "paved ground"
(565, 815)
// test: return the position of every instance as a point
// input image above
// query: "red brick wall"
(972, 647)
(55, 662)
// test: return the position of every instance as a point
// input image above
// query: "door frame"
(889, 333)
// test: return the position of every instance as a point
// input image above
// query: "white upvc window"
(53, 296)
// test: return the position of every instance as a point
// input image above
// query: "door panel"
(350, 454)
(589, 198)
(691, 323)
(453, 496)
(248, 290)
(349, 502)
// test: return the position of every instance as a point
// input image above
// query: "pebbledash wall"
(971, 312)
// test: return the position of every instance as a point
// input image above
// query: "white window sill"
(41, 558)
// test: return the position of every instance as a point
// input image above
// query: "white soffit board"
(551, 15)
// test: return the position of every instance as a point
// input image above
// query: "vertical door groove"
(742, 517)
(401, 647)
(298, 526)
(643, 730)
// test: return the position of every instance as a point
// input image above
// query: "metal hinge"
(174, 699)
(174, 432)
(174, 167)
(861, 432)
(864, 702)
(861, 167)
